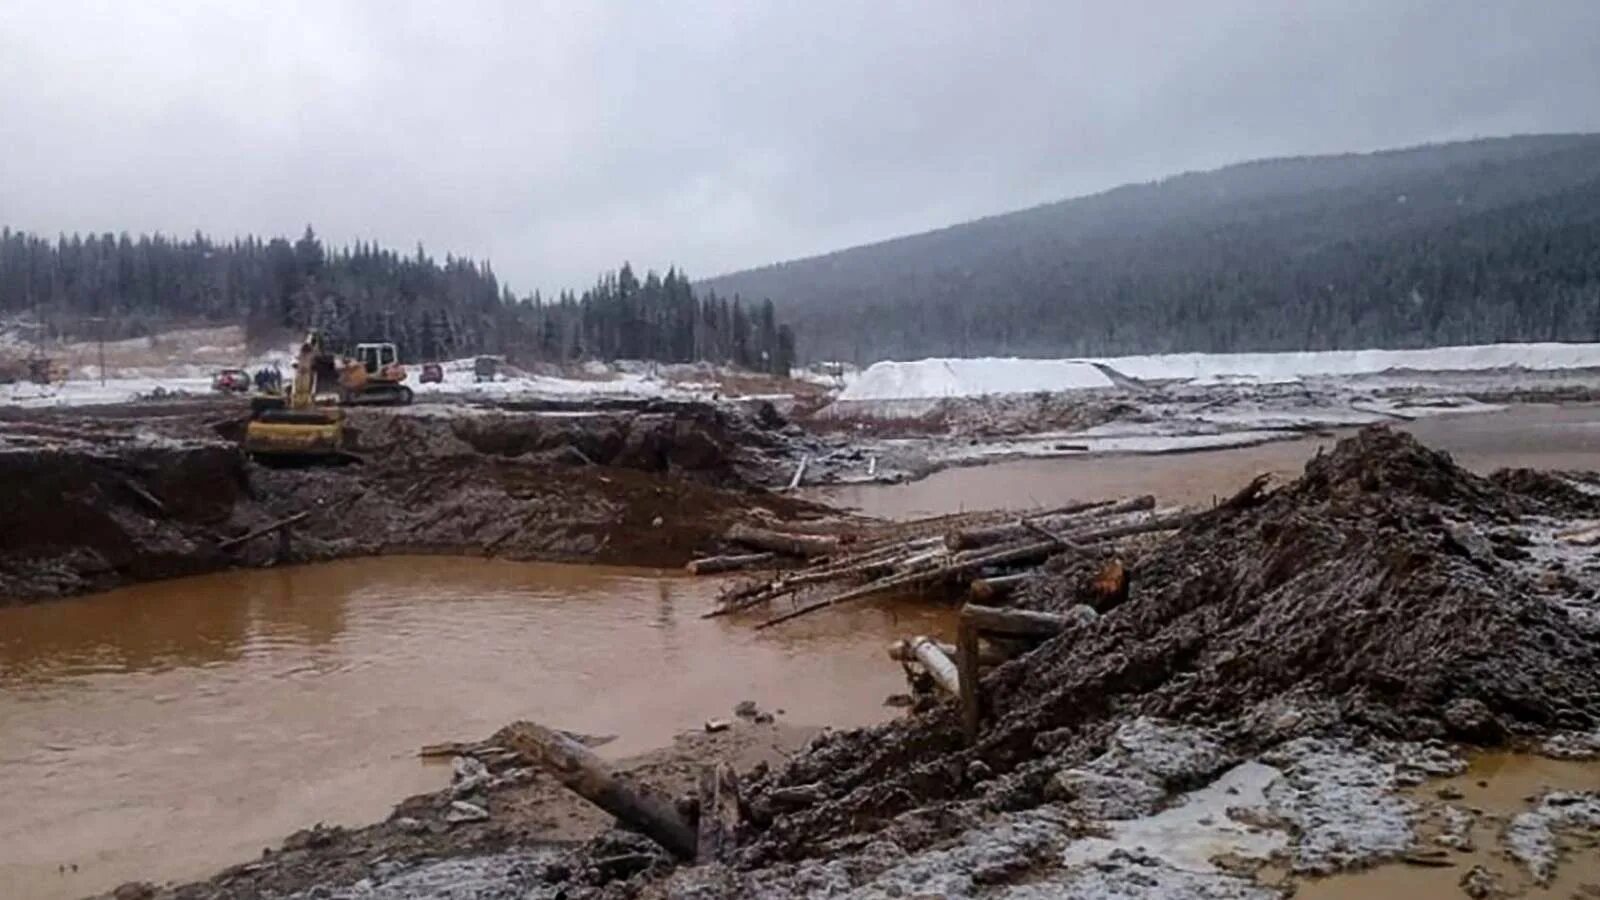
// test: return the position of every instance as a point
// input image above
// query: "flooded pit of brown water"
(1532, 436)
(1501, 785)
(166, 730)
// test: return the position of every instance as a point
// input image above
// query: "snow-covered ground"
(941, 378)
(931, 378)
(1263, 368)
(90, 392)
(627, 379)
(600, 382)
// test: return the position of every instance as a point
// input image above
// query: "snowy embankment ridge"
(929, 379)
(964, 411)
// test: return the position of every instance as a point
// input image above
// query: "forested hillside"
(1481, 241)
(117, 287)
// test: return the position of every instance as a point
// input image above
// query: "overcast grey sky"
(558, 138)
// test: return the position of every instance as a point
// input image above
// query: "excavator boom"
(293, 427)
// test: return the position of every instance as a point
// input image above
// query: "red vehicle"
(432, 373)
(231, 381)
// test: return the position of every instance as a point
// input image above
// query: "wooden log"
(587, 776)
(989, 655)
(718, 832)
(967, 661)
(144, 495)
(998, 587)
(456, 748)
(782, 542)
(797, 796)
(940, 666)
(290, 520)
(876, 563)
(1249, 495)
(1128, 529)
(1033, 552)
(1013, 621)
(799, 471)
(1052, 519)
(1009, 555)
(711, 565)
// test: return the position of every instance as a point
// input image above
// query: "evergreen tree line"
(117, 286)
(1473, 242)
(660, 318)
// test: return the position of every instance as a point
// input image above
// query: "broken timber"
(988, 535)
(718, 832)
(590, 778)
(711, 565)
(999, 587)
(782, 542)
(988, 654)
(962, 566)
(940, 666)
(265, 529)
(980, 620)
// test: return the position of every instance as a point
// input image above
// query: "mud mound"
(78, 520)
(1387, 589)
(696, 441)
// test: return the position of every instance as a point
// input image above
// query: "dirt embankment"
(94, 501)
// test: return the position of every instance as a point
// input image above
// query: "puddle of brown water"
(1500, 784)
(1535, 436)
(165, 730)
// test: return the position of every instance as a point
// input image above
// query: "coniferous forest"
(1465, 243)
(117, 286)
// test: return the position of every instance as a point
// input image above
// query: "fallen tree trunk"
(281, 523)
(457, 748)
(805, 545)
(1052, 520)
(940, 666)
(587, 776)
(990, 619)
(711, 565)
(988, 654)
(718, 829)
(988, 590)
(799, 472)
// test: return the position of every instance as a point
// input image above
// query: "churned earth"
(1283, 684)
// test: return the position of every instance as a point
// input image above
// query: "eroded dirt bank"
(1246, 718)
(94, 500)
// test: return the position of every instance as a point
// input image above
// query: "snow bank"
(510, 382)
(933, 378)
(937, 378)
(93, 393)
(1282, 367)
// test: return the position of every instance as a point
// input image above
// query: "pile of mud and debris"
(101, 499)
(1247, 716)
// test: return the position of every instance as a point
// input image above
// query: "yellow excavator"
(292, 426)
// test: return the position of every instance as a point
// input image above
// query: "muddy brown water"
(166, 730)
(1501, 785)
(1534, 436)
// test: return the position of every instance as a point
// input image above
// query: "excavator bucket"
(295, 435)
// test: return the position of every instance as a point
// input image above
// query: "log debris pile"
(986, 555)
